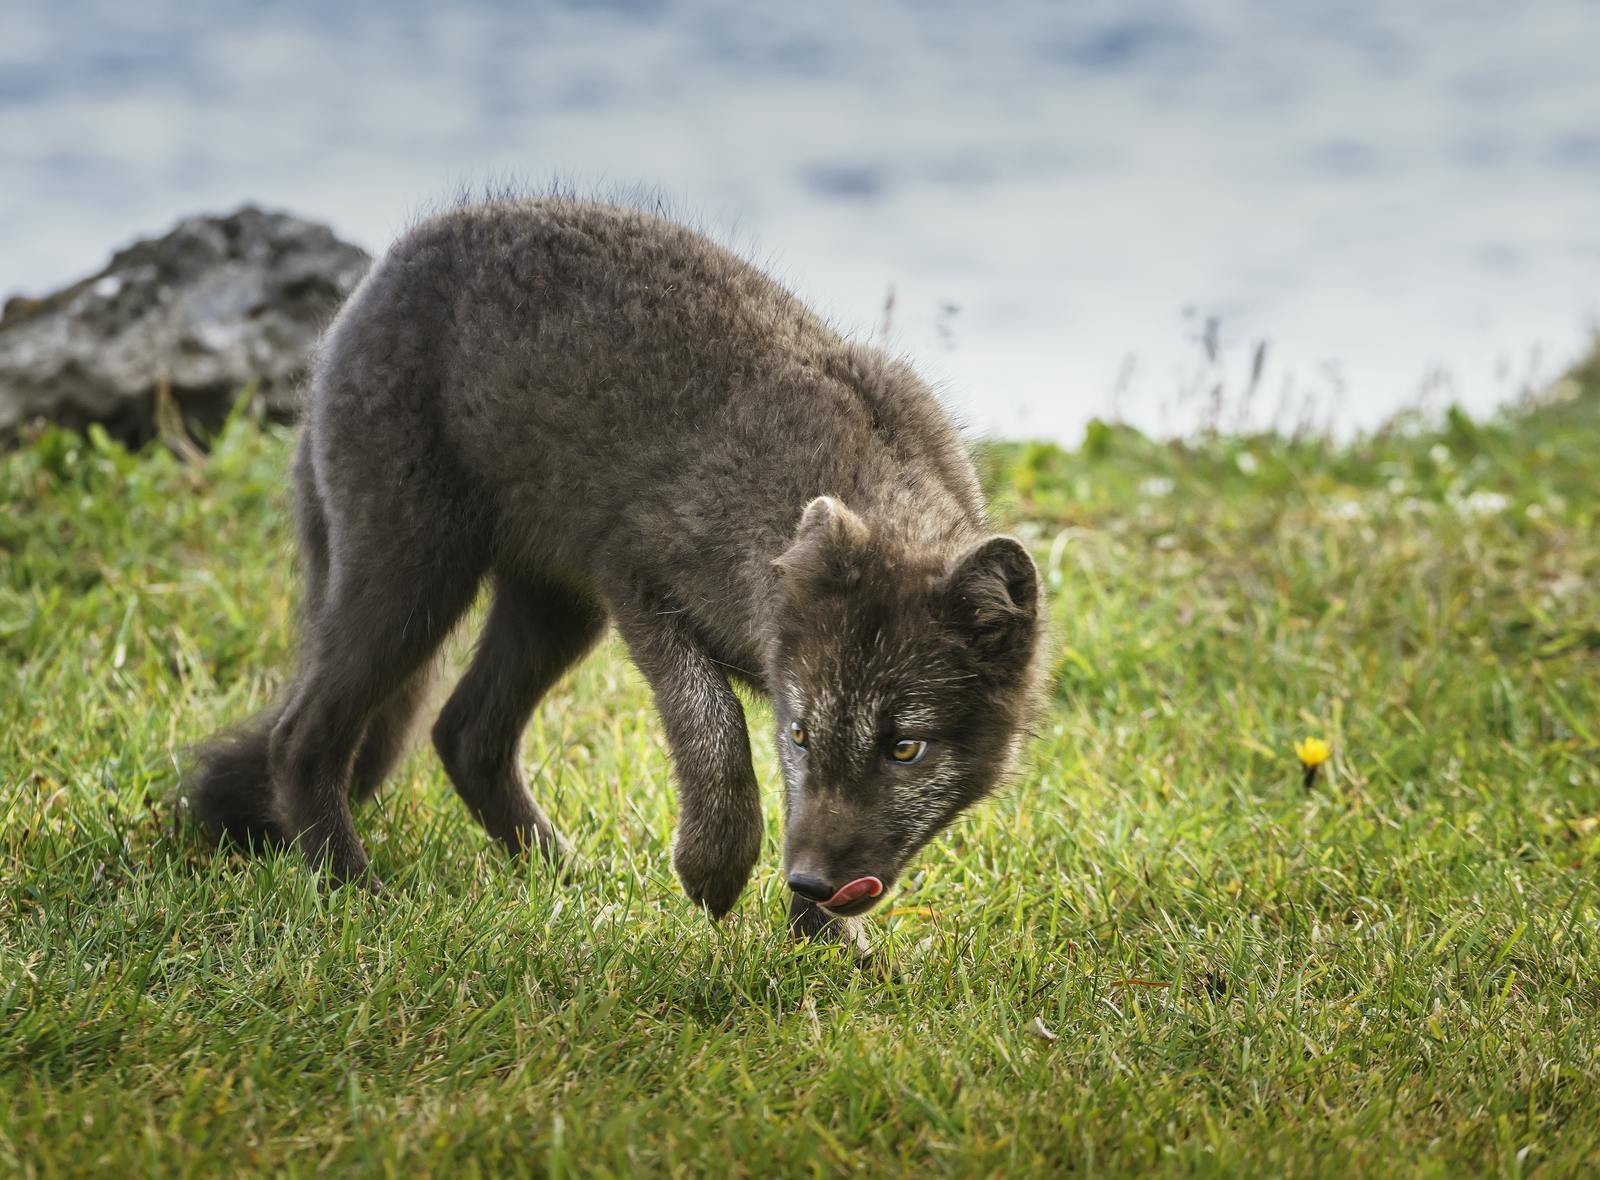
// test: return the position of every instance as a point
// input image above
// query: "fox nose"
(809, 887)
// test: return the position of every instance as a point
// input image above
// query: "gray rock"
(218, 306)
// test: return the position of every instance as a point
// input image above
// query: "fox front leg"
(719, 803)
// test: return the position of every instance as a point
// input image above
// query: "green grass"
(1396, 970)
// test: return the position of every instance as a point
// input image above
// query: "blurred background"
(1332, 211)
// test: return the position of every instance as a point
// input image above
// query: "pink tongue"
(855, 891)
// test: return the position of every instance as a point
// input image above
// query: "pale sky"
(1059, 195)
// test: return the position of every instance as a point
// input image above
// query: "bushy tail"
(229, 787)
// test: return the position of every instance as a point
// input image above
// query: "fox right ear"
(992, 595)
(826, 541)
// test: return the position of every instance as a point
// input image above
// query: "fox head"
(903, 677)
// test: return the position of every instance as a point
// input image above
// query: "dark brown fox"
(616, 419)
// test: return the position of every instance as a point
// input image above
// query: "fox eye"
(907, 751)
(797, 734)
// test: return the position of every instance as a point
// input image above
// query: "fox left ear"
(827, 542)
(991, 594)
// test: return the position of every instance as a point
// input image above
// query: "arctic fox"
(615, 420)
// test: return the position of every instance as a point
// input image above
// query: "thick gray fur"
(615, 419)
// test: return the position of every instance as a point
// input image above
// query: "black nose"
(809, 887)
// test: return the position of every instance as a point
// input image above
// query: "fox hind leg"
(534, 633)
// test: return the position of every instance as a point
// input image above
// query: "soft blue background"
(1403, 199)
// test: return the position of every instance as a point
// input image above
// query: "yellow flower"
(1312, 752)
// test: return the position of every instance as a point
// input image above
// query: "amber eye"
(797, 734)
(907, 751)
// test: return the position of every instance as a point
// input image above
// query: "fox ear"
(825, 515)
(991, 595)
(826, 542)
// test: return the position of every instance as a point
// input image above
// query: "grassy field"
(1158, 950)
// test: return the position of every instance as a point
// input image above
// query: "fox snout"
(834, 855)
